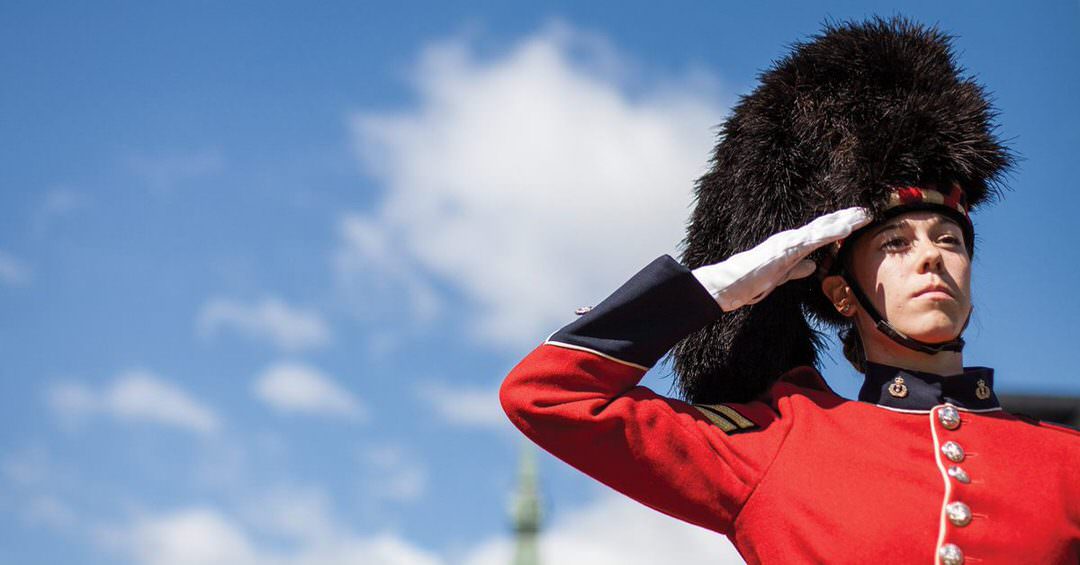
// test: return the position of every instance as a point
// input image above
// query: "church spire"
(526, 510)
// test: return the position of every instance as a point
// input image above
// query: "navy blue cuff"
(646, 316)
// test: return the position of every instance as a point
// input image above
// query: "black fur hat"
(850, 114)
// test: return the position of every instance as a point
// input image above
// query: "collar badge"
(982, 392)
(898, 389)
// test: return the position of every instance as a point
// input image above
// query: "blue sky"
(263, 265)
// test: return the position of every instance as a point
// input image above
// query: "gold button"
(949, 417)
(959, 513)
(953, 451)
(898, 389)
(950, 554)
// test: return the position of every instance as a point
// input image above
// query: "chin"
(936, 337)
(933, 328)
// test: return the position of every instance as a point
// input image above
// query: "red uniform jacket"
(921, 469)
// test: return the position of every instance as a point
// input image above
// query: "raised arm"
(577, 396)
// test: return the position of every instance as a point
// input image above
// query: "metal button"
(583, 310)
(898, 389)
(950, 554)
(953, 451)
(959, 513)
(949, 417)
(959, 474)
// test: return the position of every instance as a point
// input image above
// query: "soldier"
(868, 137)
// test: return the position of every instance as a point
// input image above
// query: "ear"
(836, 288)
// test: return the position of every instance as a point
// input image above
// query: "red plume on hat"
(847, 118)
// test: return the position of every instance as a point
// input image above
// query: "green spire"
(526, 510)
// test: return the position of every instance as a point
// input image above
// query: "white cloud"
(611, 529)
(61, 201)
(292, 387)
(163, 172)
(136, 395)
(12, 270)
(207, 536)
(49, 511)
(27, 468)
(41, 487)
(534, 182)
(56, 205)
(224, 464)
(297, 526)
(193, 536)
(380, 549)
(289, 328)
(369, 262)
(299, 514)
(464, 406)
(393, 473)
(618, 531)
(72, 401)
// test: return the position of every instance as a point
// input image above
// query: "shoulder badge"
(729, 420)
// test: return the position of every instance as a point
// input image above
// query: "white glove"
(749, 276)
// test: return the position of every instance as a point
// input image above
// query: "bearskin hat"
(840, 121)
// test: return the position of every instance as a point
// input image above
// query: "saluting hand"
(749, 276)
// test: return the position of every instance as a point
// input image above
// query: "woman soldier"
(867, 137)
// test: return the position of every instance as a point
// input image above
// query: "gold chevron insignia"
(726, 418)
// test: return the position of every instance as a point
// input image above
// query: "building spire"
(526, 510)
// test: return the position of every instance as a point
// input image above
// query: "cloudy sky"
(264, 265)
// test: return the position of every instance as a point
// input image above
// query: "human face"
(916, 271)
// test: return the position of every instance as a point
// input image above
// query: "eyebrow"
(900, 224)
(896, 225)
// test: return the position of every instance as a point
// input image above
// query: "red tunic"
(802, 475)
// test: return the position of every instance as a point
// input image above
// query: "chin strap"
(956, 344)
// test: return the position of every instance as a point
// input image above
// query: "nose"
(930, 258)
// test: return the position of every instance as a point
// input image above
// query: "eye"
(894, 243)
(951, 239)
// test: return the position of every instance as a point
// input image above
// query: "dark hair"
(853, 347)
(854, 351)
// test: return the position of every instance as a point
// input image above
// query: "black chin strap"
(956, 344)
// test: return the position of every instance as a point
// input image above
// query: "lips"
(935, 289)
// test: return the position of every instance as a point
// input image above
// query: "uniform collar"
(905, 389)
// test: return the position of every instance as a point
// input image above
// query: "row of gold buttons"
(958, 513)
